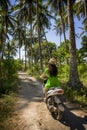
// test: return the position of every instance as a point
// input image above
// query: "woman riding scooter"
(51, 73)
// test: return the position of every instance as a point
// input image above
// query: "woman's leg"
(45, 92)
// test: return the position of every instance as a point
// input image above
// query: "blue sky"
(52, 37)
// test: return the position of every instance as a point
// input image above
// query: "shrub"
(82, 69)
(77, 96)
(8, 76)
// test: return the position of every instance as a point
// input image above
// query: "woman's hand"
(43, 76)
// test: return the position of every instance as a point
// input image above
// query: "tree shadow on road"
(29, 91)
(73, 121)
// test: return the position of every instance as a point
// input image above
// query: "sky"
(52, 37)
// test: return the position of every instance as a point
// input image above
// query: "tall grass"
(7, 105)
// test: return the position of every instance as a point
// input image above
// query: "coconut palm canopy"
(25, 23)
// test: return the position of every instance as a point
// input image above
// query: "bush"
(8, 86)
(19, 64)
(82, 69)
(77, 96)
(8, 76)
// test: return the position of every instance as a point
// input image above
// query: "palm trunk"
(8, 50)
(2, 46)
(63, 25)
(25, 53)
(63, 29)
(74, 81)
(19, 47)
(60, 37)
(40, 53)
(47, 45)
(28, 60)
(31, 39)
(3, 37)
(85, 7)
(19, 53)
(25, 44)
(31, 48)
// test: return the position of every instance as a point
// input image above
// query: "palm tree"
(30, 18)
(61, 11)
(74, 80)
(4, 7)
(40, 24)
(48, 49)
(27, 11)
(8, 21)
(80, 8)
(58, 28)
(11, 49)
(58, 7)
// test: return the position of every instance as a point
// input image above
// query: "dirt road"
(35, 116)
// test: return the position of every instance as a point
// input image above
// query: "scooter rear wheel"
(57, 115)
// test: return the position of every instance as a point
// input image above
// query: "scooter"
(54, 102)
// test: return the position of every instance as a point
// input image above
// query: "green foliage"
(83, 73)
(84, 41)
(82, 52)
(76, 96)
(51, 46)
(82, 68)
(35, 70)
(8, 76)
(63, 52)
(19, 64)
(8, 85)
(63, 73)
(8, 67)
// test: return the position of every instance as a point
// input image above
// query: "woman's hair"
(53, 70)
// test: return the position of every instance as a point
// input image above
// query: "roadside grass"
(7, 107)
(7, 104)
(8, 97)
(75, 96)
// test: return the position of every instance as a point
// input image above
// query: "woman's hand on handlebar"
(43, 76)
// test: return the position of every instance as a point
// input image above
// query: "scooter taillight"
(60, 91)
